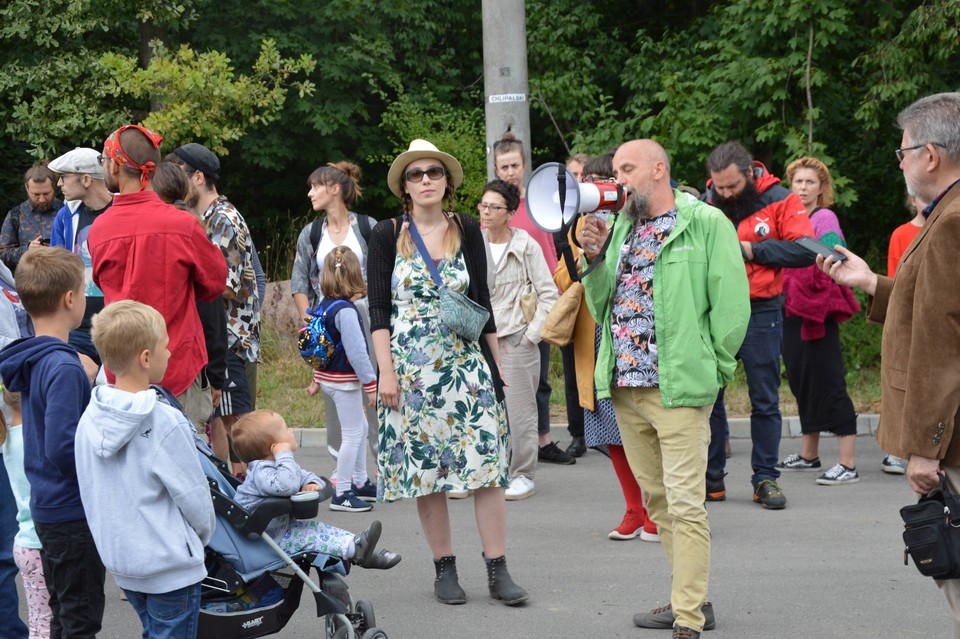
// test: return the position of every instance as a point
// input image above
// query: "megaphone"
(555, 198)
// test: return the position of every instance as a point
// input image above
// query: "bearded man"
(30, 222)
(672, 302)
(768, 218)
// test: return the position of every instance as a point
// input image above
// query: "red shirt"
(899, 241)
(145, 250)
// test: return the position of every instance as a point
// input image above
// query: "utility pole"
(506, 103)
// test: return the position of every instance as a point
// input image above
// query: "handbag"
(461, 314)
(562, 318)
(931, 533)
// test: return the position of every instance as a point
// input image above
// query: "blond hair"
(123, 330)
(823, 174)
(253, 436)
(12, 400)
(44, 275)
(342, 277)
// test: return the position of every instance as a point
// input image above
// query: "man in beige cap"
(80, 178)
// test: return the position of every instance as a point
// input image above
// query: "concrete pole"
(506, 93)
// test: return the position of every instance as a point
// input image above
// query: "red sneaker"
(630, 527)
(649, 532)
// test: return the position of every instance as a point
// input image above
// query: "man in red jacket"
(768, 218)
(145, 250)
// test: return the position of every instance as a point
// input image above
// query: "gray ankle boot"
(446, 587)
(500, 583)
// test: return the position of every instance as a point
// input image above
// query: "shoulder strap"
(366, 224)
(316, 232)
(333, 305)
(434, 273)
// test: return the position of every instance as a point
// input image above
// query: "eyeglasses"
(493, 208)
(100, 159)
(900, 151)
(416, 175)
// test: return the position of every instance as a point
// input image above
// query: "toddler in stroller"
(262, 528)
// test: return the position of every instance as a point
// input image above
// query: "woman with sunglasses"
(334, 189)
(509, 165)
(443, 426)
(522, 296)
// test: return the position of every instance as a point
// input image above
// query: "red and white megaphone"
(555, 198)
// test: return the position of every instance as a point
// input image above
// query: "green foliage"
(197, 97)
(459, 132)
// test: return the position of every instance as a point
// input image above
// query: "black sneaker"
(768, 494)
(716, 490)
(367, 492)
(367, 555)
(348, 502)
(552, 454)
(797, 462)
(662, 618)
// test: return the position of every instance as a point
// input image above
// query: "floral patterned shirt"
(228, 232)
(631, 319)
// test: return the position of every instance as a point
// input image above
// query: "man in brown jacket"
(920, 309)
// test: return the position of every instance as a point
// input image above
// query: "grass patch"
(283, 376)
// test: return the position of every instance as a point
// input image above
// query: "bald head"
(643, 168)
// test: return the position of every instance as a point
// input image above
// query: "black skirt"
(817, 379)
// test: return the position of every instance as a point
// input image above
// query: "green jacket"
(701, 304)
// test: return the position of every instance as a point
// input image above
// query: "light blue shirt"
(12, 450)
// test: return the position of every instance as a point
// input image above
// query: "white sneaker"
(458, 494)
(651, 537)
(520, 488)
(893, 465)
(837, 475)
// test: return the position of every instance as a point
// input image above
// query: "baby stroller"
(253, 587)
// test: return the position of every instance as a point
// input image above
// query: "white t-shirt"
(497, 251)
(351, 241)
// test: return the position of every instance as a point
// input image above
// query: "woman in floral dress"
(442, 421)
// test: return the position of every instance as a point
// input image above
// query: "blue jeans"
(760, 354)
(12, 627)
(168, 615)
(74, 574)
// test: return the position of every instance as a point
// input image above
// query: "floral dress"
(449, 433)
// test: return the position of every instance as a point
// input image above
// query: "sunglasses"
(416, 175)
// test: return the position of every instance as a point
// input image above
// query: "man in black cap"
(229, 232)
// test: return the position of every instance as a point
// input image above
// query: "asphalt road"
(829, 565)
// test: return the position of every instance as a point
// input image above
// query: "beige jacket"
(522, 270)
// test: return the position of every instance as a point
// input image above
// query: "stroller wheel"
(374, 633)
(366, 617)
(341, 633)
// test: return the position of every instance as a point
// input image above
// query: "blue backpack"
(317, 345)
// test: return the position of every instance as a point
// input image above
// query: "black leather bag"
(931, 533)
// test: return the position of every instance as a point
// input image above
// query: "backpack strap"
(316, 232)
(366, 224)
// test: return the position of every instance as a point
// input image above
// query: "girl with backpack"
(341, 283)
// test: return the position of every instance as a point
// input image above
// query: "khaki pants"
(951, 587)
(520, 363)
(667, 451)
(197, 403)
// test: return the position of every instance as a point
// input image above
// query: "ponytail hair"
(344, 174)
(342, 277)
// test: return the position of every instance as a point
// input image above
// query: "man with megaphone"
(672, 297)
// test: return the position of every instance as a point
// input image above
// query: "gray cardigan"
(305, 278)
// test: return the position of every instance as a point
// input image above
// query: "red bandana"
(116, 153)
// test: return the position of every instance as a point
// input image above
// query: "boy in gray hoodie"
(145, 496)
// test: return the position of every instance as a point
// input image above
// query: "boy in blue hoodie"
(146, 497)
(54, 392)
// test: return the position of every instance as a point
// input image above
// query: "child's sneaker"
(893, 465)
(837, 475)
(796, 462)
(348, 502)
(367, 492)
(367, 555)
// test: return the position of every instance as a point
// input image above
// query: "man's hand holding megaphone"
(593, 234)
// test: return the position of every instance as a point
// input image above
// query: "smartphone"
(818, 247)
